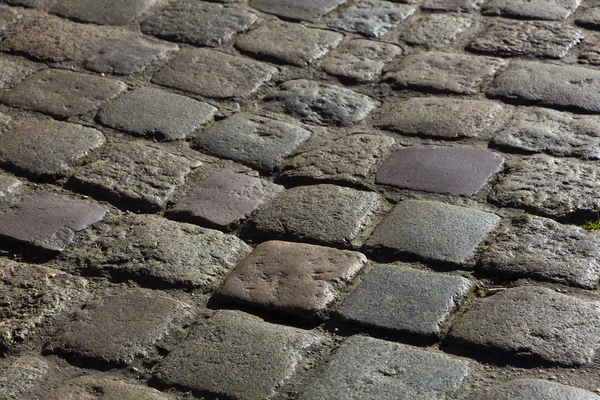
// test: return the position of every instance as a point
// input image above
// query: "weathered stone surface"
(250, 139)
(590, 18)
(432, 231)
(322, 214)
(532, 322)
(9, 189)
(372, 17)
(360, 60)
(8, 20)
(291, 278)
(288, 43)
(214, 74)
(64, 144)
(443, 117)
(457, 73)
(106, 12)
(61, 93)
(157, 114)
(13, 70)
(224, 199)
(405, 299)
(548, 9)
(535, 389)
(20, 376)
(533, 39)
(236, 355)
(307, 10)
(198, 23)
(48, 221)
(457, 171)
(133, 175)
(118, 329)
(433, 30)
(590, 55)
(363, 366)
(466, 6)
(320, 103)
(103, 388)
(554, 187)
(43, 4)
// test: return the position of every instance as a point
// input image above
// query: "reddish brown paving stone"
(305, 10)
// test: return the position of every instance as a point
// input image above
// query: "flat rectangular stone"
(523, 9)
(15, 69)
(372, 17)
(111, 388)
(434, 31)
(466, 6)
(306, 10)
(105, 12)
(535, 389)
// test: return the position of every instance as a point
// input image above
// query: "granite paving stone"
(535, 389)
(527, 39)
(198, 23)
(9, 19)
(14, 70)
(64, 145)
(288, 43)
(463, 6)
(31, 223)
(553, 10)
(363, 366)
(236, 355)
(61, 93)
(372, 17)
(457, 171)
(291, 278)
(104, 12)
(432, 30)
(320, 103)
(404, 299)
(19, 376)
(133, 175)
(360, 60)
(257, 141)
(156, 113)
(307, 10)
(444, 72)
(104, 388)
(224, 200)
(214, 74)
(321, 214)
(589, 19)
(9, 189)
(432, 231)
(536, 323)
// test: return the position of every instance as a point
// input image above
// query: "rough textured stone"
(320, 103)
(457, 73)
(224, 199)
(432, 231)
(237, 356)
(64, 145)
(590, 18)
(590, 55)
(250, 139)
(306, 10)
(61, 93)
(535, 389)
(363, 366)
(532, 322)
(291, 278)
(156, 113)
(9, 189)
(214, 74)
(198, 23)
(118, 329)
(8, 20)
(20, 376)
(103, 388)
(547, 9)
(13, 70)
(42, 4)
(458, 171)
(322, 214)
(48, 221)
(361, 60)
(288, 43)
(537, 39)
(106, 12)
(133, 175)
(433, 30)
(372, 17)
(466, 6)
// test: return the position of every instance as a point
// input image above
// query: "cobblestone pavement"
(285, 199)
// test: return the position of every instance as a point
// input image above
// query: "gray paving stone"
(214, 74)
(319, 103)
(360, 60)
(288, 43)
(133, 175)
(64, 145)
(457, 171)
(372, 17)
(224, 200)
(363, 366)
(405, 299)
(8, 20)
(307, 10)
(443, 117)
(257, 141)
(156, 113)
(432, 231)
(61, 93)
(526, 39)
(291, 278)
(9, 189)
(541, 130)
(42, 4)
(236, 355)
(551, 85)
(14, 70)
(48, 221)
(589, 19)
(549, 9)
(105, 388)
(590, 55)
(20, 376)
(465, 6)
(553, 187)
(105, 12)
(535, 389)
(532, 322)
(433, 30)
(457, 73)
(198, 23)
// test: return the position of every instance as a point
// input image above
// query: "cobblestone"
(14, 70)
(106, 12)
(551, 10)
(464, 6)
(535, 389)
(9, 189)
(8, 19)
(308, 10)
(87, 388)
(372, 17)
(433, 30)
(20, 376)
(591, 56)
(590, 19)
